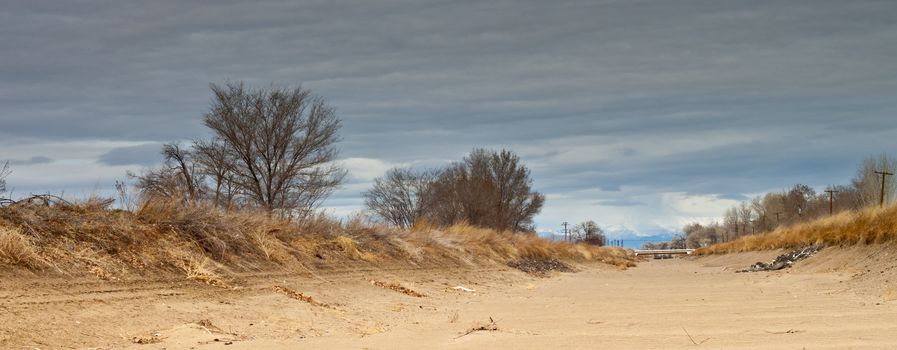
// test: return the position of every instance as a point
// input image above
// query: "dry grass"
(473, 243)
(273, 248)
(874, 225)
(16, 249)
(201, 270)
(207, 244)
(350, 249)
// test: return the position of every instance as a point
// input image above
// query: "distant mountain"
(630, 238)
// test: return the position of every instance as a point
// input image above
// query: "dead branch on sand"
(292, 294)
(693, 339)
(489, 327)
(398, 288)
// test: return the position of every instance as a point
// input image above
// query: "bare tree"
(678, 241)
(489, 189)
(462, 197)
(176, 178)
(746, 213)
(402, 196)
(773, 205)
(868, 184)
(4, 172)
(845, 198)
(589, 232)
(798, 200)
(216, 163)
(160, 182)
(283, 143)
(177, 159)
(732, 220)
(698, 235)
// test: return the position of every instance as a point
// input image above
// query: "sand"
(661, 304)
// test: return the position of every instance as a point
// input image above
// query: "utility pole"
(565, 231)
(881, 200)
(831, 200)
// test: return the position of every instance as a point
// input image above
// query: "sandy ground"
(661, 304)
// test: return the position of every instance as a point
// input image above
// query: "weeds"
(200, 270)
(868, 226)
(348, 247)
(16, 249)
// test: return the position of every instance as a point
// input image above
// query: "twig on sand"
(693, 339)
(490, 327)
(292, 294)
(398, 288)
(790, 331)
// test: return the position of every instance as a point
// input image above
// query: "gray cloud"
(629, 97)
(145, 154)
(621, 202)
(31, 161)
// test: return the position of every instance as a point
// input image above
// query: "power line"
(566, 238)
(881, 200)
(831, 200)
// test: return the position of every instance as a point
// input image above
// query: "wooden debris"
(292, 294)
(398, 288)
(489, 327)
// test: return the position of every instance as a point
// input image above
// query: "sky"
(640, 115)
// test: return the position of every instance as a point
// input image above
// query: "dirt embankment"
(836, 299)
(213, 246)
(82, 275)
(867, 226)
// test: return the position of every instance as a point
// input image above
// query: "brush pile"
(539, 267)
(785, 260)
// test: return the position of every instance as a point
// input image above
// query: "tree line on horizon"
(798, 204)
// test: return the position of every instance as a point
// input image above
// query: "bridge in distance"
(662, 251)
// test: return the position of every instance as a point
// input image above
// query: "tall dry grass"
(16, 249)
(208, 244)
(868, 226)
(473, 244)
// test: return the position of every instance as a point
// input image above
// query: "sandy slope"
(663, 304)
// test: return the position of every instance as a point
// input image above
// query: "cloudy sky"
(641, 115)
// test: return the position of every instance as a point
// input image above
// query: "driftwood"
(49, 200)
(489, 327)
(45, 199)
